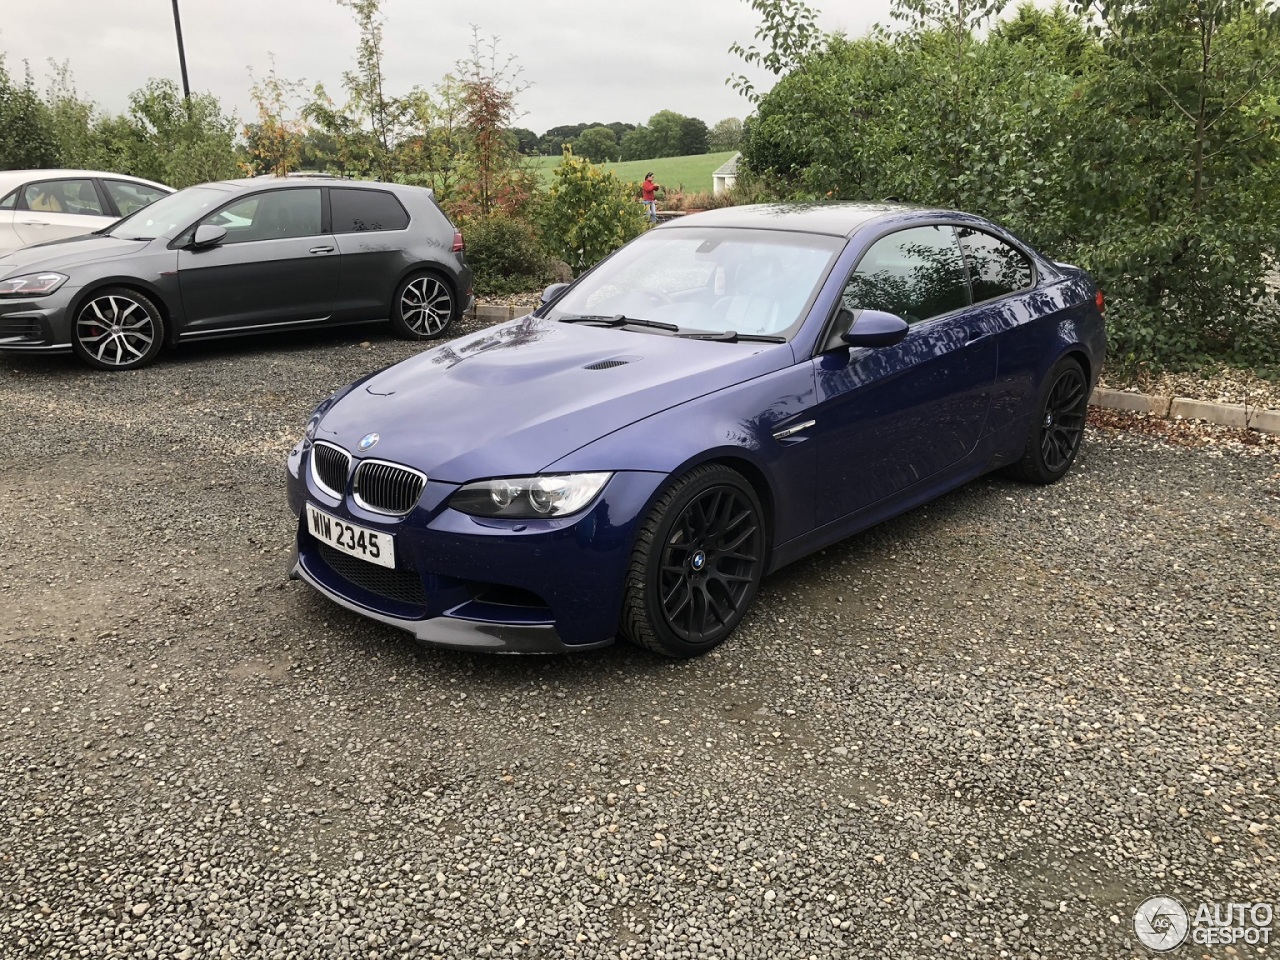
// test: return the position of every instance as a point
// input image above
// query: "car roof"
(834, 219)
(297, 180)
(11, 178)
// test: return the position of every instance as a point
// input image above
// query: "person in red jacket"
(649, 194)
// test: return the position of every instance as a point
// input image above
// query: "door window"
(995, 268)
(358, 211)
(63, 196)
(277, 215)
(917, 274)
(129, 197)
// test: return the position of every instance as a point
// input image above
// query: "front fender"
(735, 425)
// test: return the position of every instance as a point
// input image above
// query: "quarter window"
(917, 274)
(9, 202)
(129, 197)
(360, 211)
(995, 268)
(63, 196)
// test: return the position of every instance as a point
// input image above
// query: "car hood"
(65, 253)
(512, 399)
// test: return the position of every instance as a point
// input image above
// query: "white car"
(38, 205)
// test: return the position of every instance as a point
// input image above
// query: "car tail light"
(1101, 301)
(458, 244)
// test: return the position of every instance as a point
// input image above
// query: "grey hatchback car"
(238, 257)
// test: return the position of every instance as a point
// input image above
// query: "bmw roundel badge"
(368, 441)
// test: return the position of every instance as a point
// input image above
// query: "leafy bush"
(505, 254)
(1146, 152)
(588, 213)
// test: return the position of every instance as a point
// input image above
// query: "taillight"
(459, 246)
(1101, 301)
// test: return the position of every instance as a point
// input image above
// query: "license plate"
(359, 542)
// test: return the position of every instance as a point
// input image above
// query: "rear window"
(361, 211)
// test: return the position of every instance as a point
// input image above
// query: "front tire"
(117, 329)
(1058, 427)
(697, 564)
(424, 307)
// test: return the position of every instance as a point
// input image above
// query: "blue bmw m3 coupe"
(725, 394)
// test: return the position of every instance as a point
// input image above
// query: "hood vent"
(607, 364)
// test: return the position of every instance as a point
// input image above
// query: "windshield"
(711, 279)
(169, 214)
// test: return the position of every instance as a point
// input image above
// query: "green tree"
(725, 135)
(789, 29)
(181, 141)
(588, 213)
(638, 144)
(274, 143)
(29, 138)
(693, 137)
(1186, 175)
(597, 144)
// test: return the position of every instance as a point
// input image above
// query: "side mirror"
(208, 235)
(875, 328)
(553, 291)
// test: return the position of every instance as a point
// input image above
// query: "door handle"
(321, 250)
(34, 223)
(976, 336)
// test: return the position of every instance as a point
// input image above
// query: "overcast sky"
(586, 60)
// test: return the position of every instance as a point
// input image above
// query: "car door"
(275, 265)
(53, 209)
(371, 229)
(890, 417)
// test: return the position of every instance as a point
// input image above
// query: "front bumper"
(37, 324)
(453, 632)
(548, 586)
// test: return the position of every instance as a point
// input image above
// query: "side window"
(9, 202)
(63, 196)
(996, 268)
(129, 197)
(917, 273)
(277, 215)
(356, 211)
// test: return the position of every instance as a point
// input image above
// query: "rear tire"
(1058, 428)
(117, 329)
(697, 564)
(423, 308)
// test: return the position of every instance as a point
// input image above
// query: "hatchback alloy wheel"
(425, 307)
(118, 329)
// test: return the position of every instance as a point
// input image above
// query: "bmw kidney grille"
(387, 487)
(329, 468)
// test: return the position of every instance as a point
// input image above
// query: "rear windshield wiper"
(618, 320)
(733, 336)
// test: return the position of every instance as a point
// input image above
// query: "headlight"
(32, 284)
(528, 498)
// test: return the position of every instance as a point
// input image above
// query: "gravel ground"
(989, 728)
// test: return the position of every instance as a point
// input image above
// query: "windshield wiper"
(618, 320)
(733, 336)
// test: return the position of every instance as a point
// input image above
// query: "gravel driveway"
(988, 728)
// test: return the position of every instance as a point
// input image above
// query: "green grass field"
(692, 173)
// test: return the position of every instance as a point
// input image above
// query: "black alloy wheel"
(1058, 429)
(697, 564)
